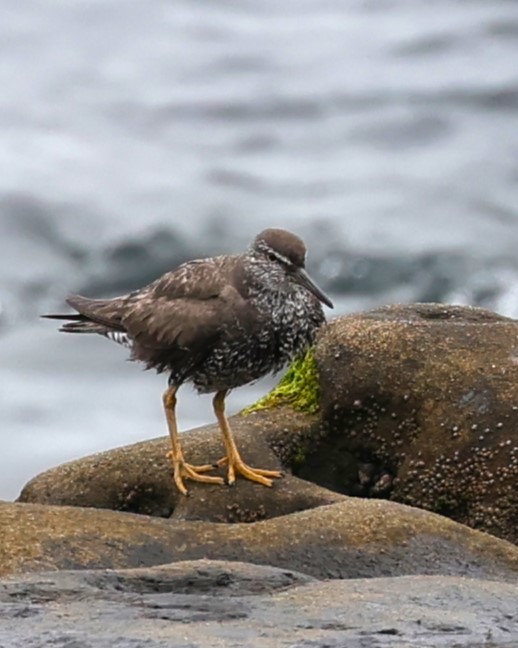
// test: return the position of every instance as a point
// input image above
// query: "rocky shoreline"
(415, 405)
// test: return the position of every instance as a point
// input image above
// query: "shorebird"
(219, 323)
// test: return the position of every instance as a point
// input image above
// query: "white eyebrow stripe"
(281, 257)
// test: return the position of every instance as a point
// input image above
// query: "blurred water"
(135, 136)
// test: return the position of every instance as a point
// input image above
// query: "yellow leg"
(233, 458)
(181, 469)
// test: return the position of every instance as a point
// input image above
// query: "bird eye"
(272, 257)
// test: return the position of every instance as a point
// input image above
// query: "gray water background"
(136, 135)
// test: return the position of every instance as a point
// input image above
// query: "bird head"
(284, 252)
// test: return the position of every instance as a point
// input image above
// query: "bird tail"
(101, 316)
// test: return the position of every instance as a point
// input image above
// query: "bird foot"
(183, 470)
(237, 466)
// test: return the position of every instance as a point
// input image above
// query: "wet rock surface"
(422, 401)
(354, 538)
(211, 603)
(138, 478)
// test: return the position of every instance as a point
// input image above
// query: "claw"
(183, 470)
(237, 465)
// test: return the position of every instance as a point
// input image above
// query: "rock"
(354, 538)
(417, 403)
(138, 478)
(429, 395)
(238, 605)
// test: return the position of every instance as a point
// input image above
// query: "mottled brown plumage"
(219, 323)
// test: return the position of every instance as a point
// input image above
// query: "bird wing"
(162, 323)
(105, 312)
(186, 308)
(199, 279)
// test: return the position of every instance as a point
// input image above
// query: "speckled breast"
(287, 328)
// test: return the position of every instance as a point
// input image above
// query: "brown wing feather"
(102, 311)
(200, 279)
(176, 319)
(163, 323)
(183, 310)
(179, 333)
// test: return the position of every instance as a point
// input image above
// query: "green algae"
(299, 387)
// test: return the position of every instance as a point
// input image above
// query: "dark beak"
(302, 278)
